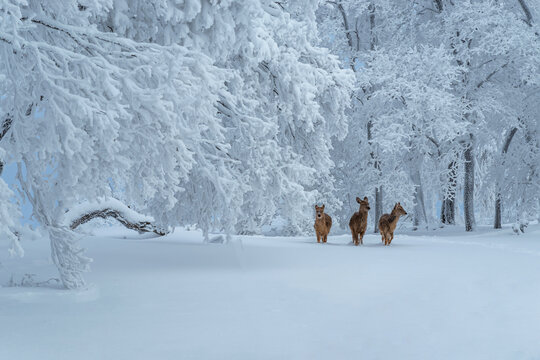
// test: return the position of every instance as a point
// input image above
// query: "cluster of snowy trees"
(214, 113)
(234, 115)
(445, 109)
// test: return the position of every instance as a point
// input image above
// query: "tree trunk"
(497, 224)
(420, 216)
(378, 207)
(538, 211)
(68, 257)
(468, 190)
(372, 26)
(378, 189)
(6, 125)
(448, 214)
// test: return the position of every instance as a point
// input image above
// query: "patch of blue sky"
(9, 175)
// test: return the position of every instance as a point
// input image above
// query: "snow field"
(446, 295)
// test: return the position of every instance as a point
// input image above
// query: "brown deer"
(358, 222)
(388, 222)
(323, 223)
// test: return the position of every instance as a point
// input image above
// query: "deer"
(358, 222)
(388, 222)
(323, 223)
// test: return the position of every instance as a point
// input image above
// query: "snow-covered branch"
(111, 208)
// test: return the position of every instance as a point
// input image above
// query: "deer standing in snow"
(388, 222)
(323, 223)
(358, 222)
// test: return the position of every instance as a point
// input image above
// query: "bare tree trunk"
(378, 207)
(448, 213)
(468, 191)
(538, 211)
(498, 197)
(372, 26)
(497, 224)
(420, 216)
(379, 189)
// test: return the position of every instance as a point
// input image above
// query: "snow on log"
(115, 209)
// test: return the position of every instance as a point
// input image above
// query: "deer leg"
(318, 237)
(362, 238)
(324, 238)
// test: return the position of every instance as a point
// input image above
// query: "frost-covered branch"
(111, 208)
(527, 11)
(490, 75)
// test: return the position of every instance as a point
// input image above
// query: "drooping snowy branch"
(111, 208)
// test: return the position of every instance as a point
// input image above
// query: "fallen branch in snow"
(115, 209)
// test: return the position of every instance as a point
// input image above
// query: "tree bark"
(420, 216)
(448, 214)
(378, 207)
(141, 227)
(468, 191)
(448, 211)
(372, 26)
(497, 224)
(6, 125)
(378, 189)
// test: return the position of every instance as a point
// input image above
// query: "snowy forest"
(239, 116)
(220, 129)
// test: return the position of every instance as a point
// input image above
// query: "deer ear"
(365, 198)
(322, 207)
(316, 206)
(358, 199)
(399, 203)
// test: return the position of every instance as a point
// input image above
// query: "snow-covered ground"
(439, 295)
